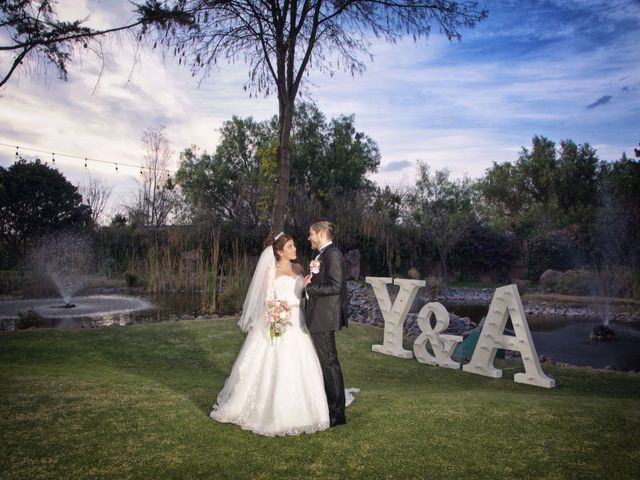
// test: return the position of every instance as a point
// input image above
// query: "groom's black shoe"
(338, 421)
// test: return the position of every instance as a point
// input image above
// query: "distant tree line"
(555, 206)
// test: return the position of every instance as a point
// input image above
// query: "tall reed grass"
(221, 279)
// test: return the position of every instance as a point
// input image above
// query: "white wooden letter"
(441, 344)
(506, 303)
(394, 315)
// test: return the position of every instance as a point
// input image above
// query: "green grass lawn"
(133, 402)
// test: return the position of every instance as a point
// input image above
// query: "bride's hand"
(307, 279)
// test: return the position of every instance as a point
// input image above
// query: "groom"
(326, 312)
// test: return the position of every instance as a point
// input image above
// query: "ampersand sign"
(441, 344)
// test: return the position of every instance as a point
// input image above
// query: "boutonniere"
(314, 266)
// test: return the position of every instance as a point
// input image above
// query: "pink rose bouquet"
(278, 317)
(314, 266)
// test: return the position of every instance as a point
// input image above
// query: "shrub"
(131, 279)
(553, 251)
(30, 319)
(231, 300)
(413, 273)
(237, 272)
(433, 286)
(616, 281)
(576, 282)
(483, 251)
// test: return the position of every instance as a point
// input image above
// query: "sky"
(563, 69)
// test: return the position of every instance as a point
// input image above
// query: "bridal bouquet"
(278, 317)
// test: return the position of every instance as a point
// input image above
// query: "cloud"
(600, 101)
(396, 166)
(459, 105)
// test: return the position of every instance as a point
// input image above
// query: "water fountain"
(67, 260)
(603, 332)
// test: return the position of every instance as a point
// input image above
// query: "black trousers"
(325, 344)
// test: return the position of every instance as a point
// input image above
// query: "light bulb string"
(85, 159)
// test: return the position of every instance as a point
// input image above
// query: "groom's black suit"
(326, 312)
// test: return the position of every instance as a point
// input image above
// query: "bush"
(231, 300)
(576, 282)
(413, 273)
(554, 251)
(131, 279)
(616, 281)
(433, 286)
(483, 251)
(30, 319)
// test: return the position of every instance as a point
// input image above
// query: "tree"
(35, 34)
(228, 185)
(118, 221)
(443, 210)
(577, 177)
(156, 196)
(96, 194)
(545, 189)
(385, 215)
(617, 218)
(280, 40)
(37, 200)
(236, 183)
(330, 158)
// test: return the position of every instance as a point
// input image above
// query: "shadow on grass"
(194, 358)
(191, 360)
(133, 402)
(570, 381)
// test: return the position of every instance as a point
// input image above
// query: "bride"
(276, 385)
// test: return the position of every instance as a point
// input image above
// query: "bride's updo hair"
(277, 240)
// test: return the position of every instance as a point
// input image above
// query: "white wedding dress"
(276, 388)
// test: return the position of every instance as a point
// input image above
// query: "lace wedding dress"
(276, 388)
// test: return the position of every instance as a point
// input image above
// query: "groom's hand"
(307, 279)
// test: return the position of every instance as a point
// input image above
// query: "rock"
(550, 277)
(187, 317)
(363, 308)
(352, 262)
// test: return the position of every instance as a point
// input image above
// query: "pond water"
(561, 339)
(568, 340)
(103, 310)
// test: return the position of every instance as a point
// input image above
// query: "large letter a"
(506, 303)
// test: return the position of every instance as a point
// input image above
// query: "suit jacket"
(327, 304)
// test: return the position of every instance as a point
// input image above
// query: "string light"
(19, 148)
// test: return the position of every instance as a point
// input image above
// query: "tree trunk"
(389, 256)
(443, 263)
(285, 123)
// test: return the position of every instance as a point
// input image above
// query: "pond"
(103, 310)
(568, 340)
(558, 338)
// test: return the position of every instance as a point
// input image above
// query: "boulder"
(550, 277)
